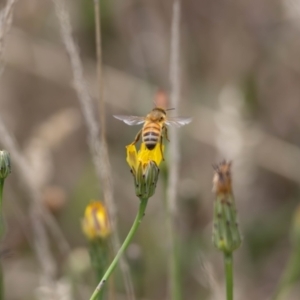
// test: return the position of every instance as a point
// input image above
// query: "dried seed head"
(222, 178)
(226, 236)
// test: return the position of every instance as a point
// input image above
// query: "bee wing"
(130, 120)
(178, 121)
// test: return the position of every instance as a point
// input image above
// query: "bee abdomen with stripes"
(151, 135)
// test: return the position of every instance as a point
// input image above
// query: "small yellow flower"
(95, 223)
(144, 167)
(144, 156)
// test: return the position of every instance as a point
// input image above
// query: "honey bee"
(154, 128)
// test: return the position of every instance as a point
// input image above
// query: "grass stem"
(99, 69)
(2, 225)
(290, 275)
(228, 260)
(1, 237)
(174, 157)
(136, 223)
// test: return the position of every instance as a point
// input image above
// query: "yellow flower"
(144, 167)
(95, 223)
(144, 156)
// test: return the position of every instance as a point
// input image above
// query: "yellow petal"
(132, 158)
(145, 155)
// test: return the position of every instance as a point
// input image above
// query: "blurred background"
(239, 71)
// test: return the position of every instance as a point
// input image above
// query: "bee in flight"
(154, 128)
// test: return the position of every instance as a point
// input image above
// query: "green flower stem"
(5, 169)
(175, 270)
(136, 223)
(290, 276)
(228, 260)
(1, 284)
(99, 253)
(1, 236)
(2, 228)
(174, 263)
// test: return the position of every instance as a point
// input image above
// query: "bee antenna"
(170, 109)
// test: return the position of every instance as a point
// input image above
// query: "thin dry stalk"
(41, 242)
(6, 16)
(42, 248)
(21, 218)
(99, 69)
(106, 178)
(205, 275)
(38, 215)
(98, 149)
(285, 161)
(24, 172)
(174, 155)
(175, 93)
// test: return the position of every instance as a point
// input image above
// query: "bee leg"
(166, 133)
(137, 137)
(161, 147)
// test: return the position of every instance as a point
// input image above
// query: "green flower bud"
(144, 168)
(5, 170)
(295, 228)
(146, 179)
(226, 235)
(5, 166)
